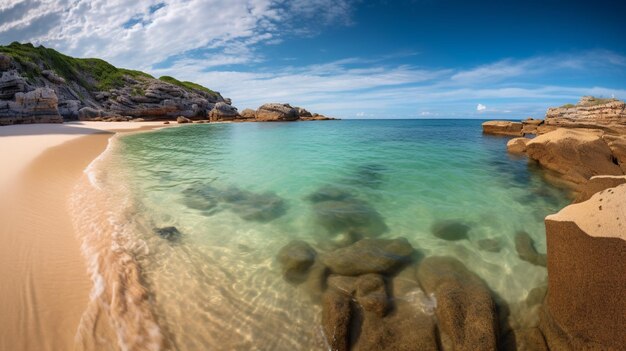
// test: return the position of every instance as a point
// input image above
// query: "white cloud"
(481, 107)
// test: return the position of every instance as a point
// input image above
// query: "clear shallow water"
(237, 193)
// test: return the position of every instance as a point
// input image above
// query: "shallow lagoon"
(237, 193)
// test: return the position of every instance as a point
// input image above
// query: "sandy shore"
(44, 282)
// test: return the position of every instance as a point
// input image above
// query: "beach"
(45, 286)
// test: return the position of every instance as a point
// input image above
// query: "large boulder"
(276, 112)
(182, 120)
(585, 306)
(575, 154)
(517, 145)
(38, 106)
(223, 112)
(369, 256)
(248, 113)
(296, 258)
(503, 128)
(597, 184)
(465, 309)
(336, 319)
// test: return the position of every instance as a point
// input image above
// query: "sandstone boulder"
(617, 144)
(369, 256)
(530, 125)
(576, 154)
(248, 113)
(182, 120)
(517, 145)
(276, 112)
(503, 128)
(586, 274)
(465, 309)
(597, 184)
(223, 112)
(296, 258)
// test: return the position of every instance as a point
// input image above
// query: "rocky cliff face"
(589, 111)
(40, 85)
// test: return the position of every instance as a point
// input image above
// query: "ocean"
(181, 226)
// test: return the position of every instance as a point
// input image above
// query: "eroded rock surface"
(503, 128)
(276, 112)
(296, 258)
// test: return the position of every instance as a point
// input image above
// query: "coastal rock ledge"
(585, 307)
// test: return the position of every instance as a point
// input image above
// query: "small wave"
(119, 304)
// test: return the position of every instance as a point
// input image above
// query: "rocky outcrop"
(503, 128)
(597, 184)
(248, 114)
(223, 112)
(369, 256)
(588, 112)
(517, 145)
(466, 312)
(617, 144)
(296, 258)
(276, 112)
(101, 91)
(37, 106)
(531, 125)
(585, 306)
(575, 154)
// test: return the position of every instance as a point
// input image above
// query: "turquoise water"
(237, 193)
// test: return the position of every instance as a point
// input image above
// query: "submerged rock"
(528, 339)
(169, 233)
(296, 258)
(329, 193)
(490, 245)
(349, 215)
(251, 206)
(369, 175)
(371, 294)
(465, 310)
(450, 230)
(526, 249)
(369, 256)
(336, 318)
(517, 145)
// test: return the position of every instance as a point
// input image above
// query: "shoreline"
(46, 285)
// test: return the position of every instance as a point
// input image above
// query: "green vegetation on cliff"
(188, 85)
(93, 74)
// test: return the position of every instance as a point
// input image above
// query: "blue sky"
(352, 58)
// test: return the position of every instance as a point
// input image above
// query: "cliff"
(589, 112)
(39, 84)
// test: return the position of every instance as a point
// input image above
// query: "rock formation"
(276, 112)
(575, 154)
(503, 128)
(223, 112)
(517, 145)
(585, 306)
(588, 112)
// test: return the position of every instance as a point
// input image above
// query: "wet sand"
(44, 285)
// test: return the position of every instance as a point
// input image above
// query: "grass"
(93, 74)
(188, 85)
(568, 106)
(594, 101)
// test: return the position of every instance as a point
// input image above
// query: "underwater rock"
(315, 283)
(450, 230)
(342, 283)
(350, 215)
(490, 245)
(369, 256)
(251, 206)
(526, 249)
(329, 193)
(336, 316)
(169, 233)
(371, 294)
(465, 310)
(369, 175)
(296, 258)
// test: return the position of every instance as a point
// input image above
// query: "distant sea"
(202, 210)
